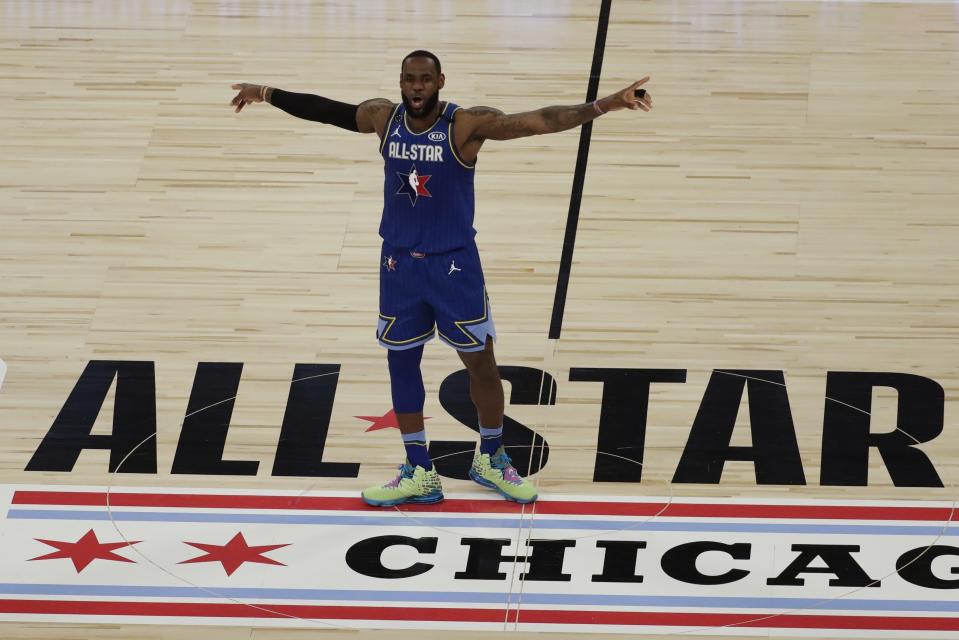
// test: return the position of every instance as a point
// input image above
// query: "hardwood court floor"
(789, 205)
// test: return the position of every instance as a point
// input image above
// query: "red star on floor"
(385, 421)
(85, 550)
(234, 553)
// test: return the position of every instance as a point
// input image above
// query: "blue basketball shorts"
(421, 295)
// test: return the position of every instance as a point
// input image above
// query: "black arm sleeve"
(316, 108)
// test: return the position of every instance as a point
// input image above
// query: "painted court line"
(480, 597)
(486, 523)
(473, 614)
(457, 505)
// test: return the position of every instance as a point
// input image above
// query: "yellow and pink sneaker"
(497, 472)
(413, 484)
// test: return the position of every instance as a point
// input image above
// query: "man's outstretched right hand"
(248, 93)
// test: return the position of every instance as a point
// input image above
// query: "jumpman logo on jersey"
(396, 132)
(453, 267)
(413, 185)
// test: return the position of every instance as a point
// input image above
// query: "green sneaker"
(496, 472)
(414, 484)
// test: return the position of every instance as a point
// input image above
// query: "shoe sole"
(430, 499)
(480, 480)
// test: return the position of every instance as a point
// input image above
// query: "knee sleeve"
(406, 379)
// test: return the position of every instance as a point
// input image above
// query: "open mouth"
(417, 102)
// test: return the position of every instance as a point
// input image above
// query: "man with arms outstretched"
(431, 280)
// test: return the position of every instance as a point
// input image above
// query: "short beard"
(428, 105)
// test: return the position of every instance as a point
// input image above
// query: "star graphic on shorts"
(386, 421)
(389, 263)
(234, 553)
(413, 185)
(85, 550)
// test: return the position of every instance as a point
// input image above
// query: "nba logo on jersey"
(413, 185)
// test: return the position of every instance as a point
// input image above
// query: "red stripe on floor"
(454, 505)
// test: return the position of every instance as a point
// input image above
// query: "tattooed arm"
(487, 123)
(371, 116)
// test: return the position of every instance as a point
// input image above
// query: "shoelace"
(406, 471)
(501, 461)
(509, 472)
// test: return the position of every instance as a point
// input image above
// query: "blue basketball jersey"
(428, 202)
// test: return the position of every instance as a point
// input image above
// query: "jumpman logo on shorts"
(453, 267)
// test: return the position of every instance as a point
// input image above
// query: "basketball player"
(431, 280)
